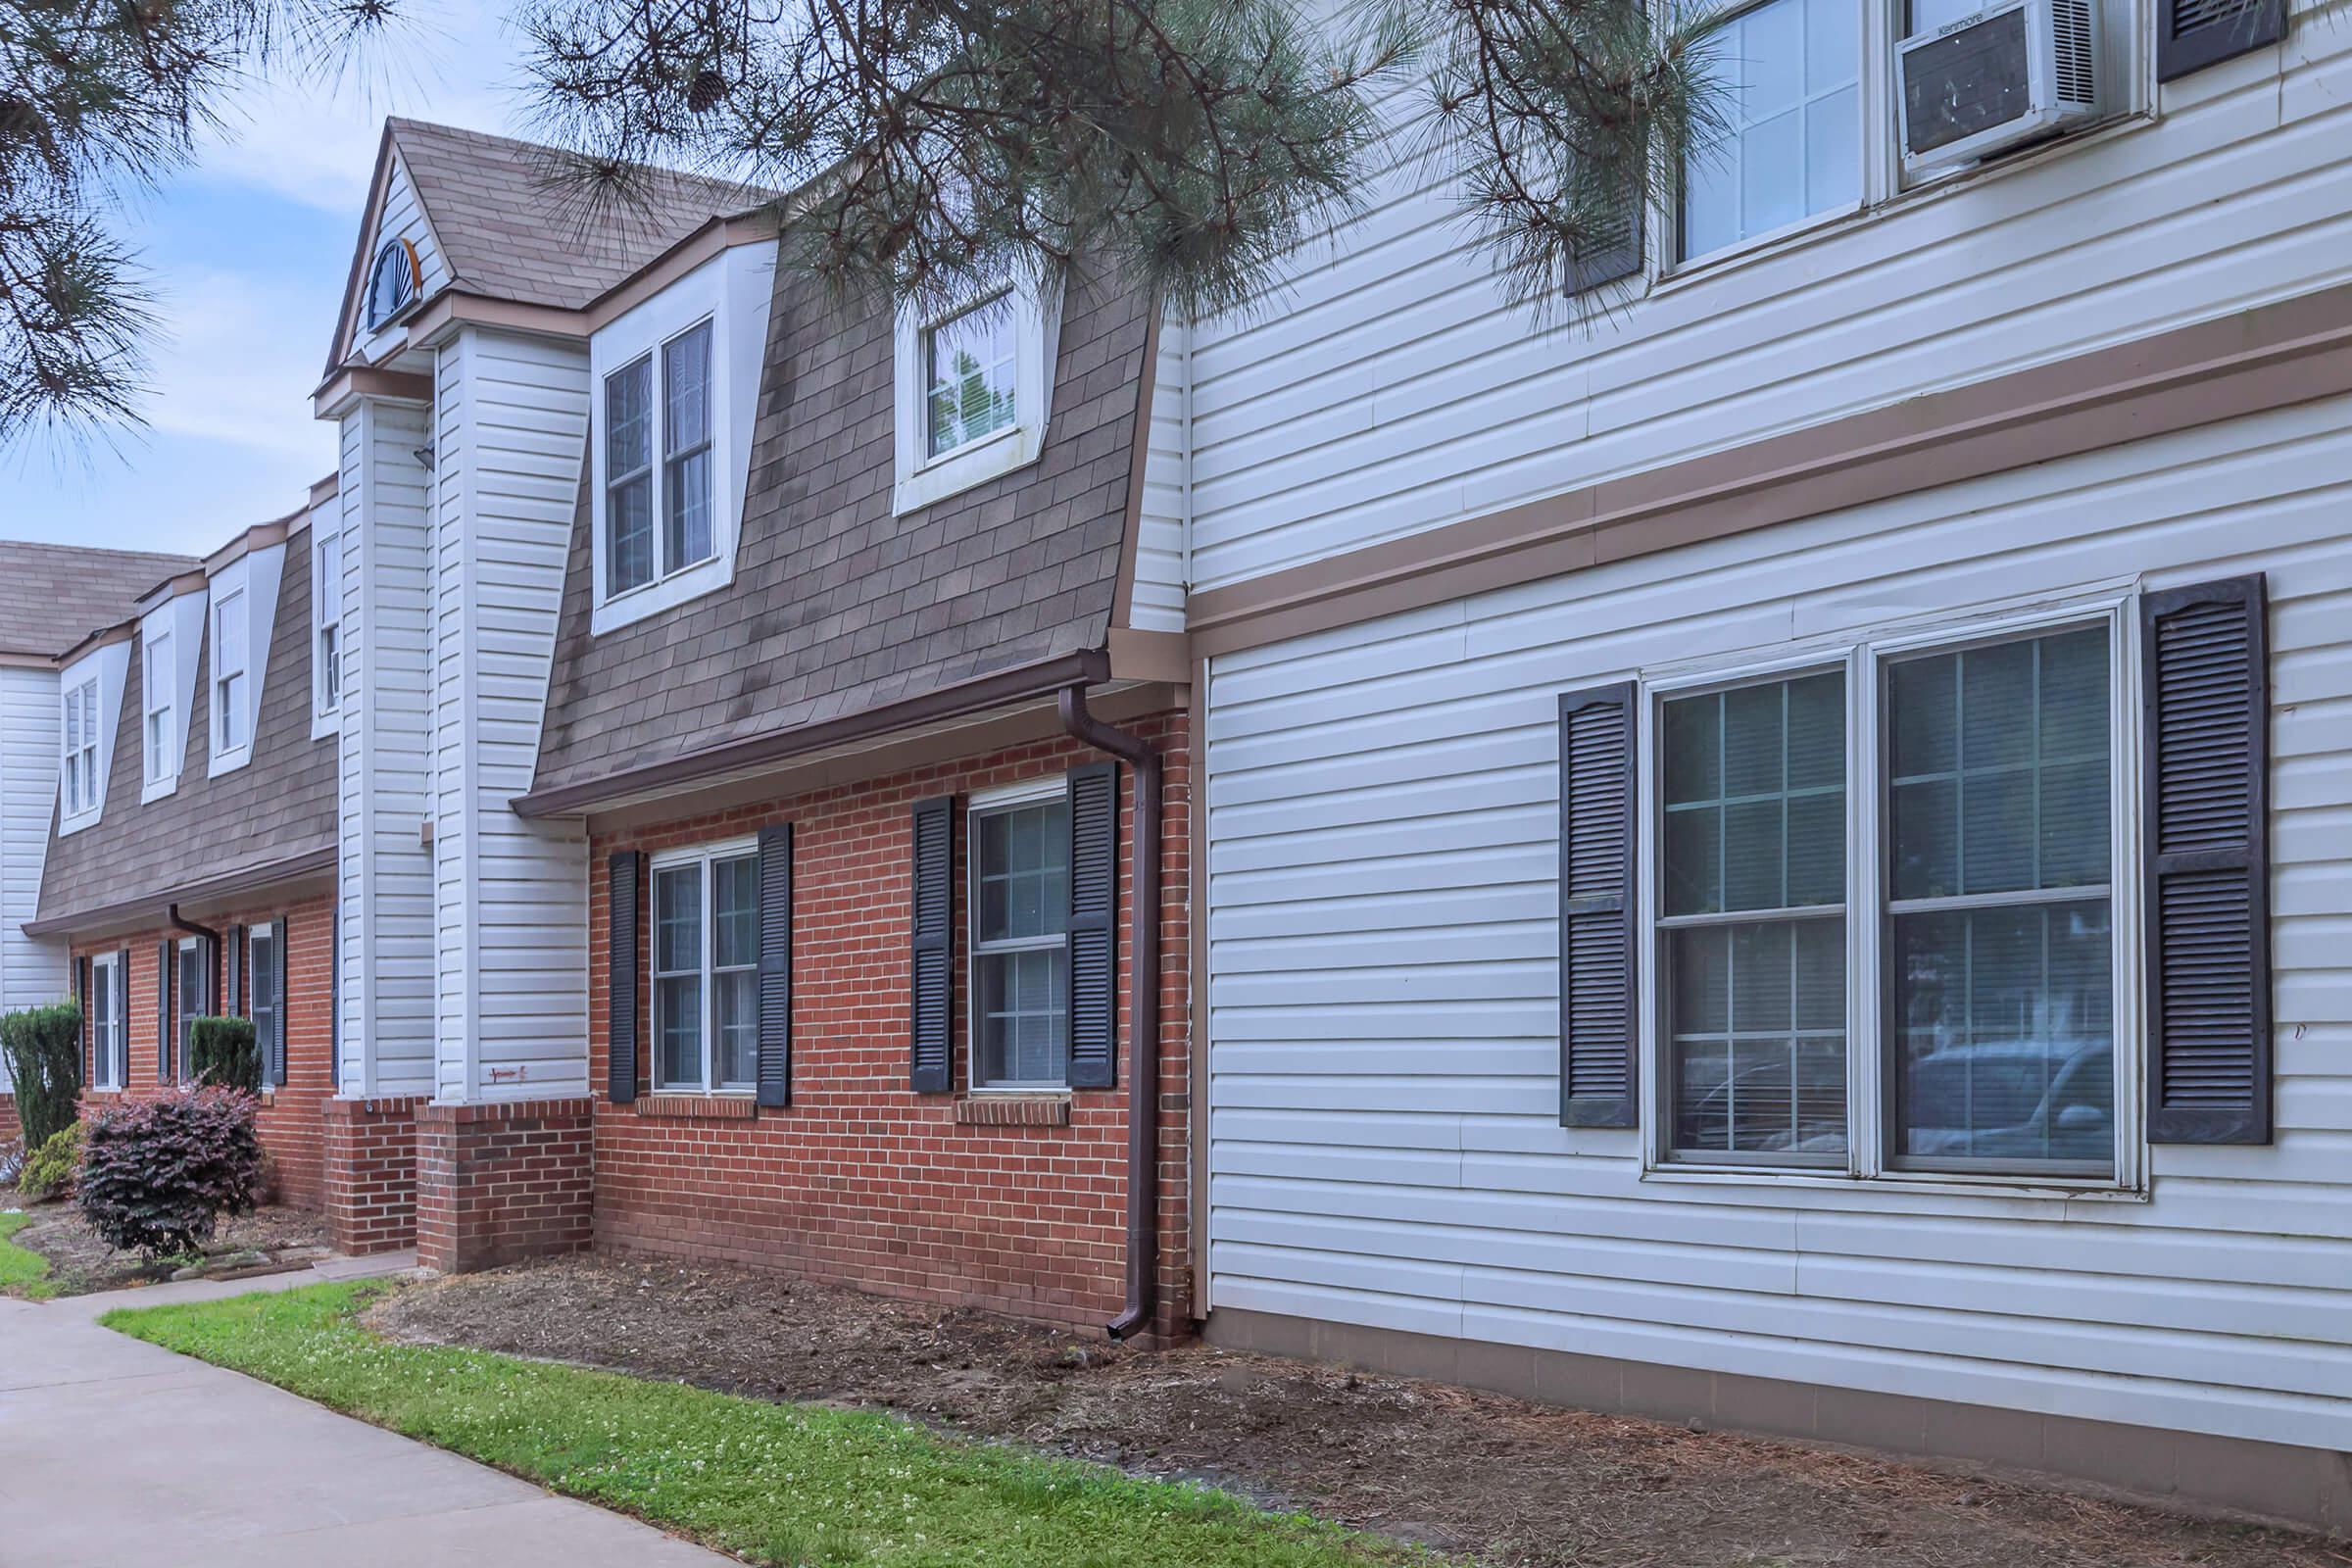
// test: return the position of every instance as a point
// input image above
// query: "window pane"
(735, 912)
(630, 515)
(972, 375)
(2000, 760)
(678, 1029)
(736, 995)
(688, 524)
(2006, 1032)
(1022, 857)
(1792, 146)
(1024, 1031)
(678, 919)
(1775, 835)
(629, 494)
(686, 389)
(1756, 1016)
(628, 419)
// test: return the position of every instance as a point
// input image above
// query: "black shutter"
(775, 966)
(2207, 870)
(208, 953)
(276, 1058)
(624, 872)
(1092, 943)
(236, 993)
(118, 1005)
(89, 1025)
(1618, 257)
(1599, 1076)
(2191, 34)
(931, 1049)
(164, 983)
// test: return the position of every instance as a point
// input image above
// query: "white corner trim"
(734, 292)
(923, 479)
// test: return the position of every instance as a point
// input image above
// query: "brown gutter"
(171, 919)
(1041, 679)
(1143, 1011)
(307, 862)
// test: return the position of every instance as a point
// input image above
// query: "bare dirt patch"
(79, 1263)
(1498, 1480)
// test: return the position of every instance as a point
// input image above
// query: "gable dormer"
(398, 265)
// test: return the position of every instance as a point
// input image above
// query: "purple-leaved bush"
(157, 1175)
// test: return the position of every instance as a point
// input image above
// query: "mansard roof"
(841, 610)
(52, 597)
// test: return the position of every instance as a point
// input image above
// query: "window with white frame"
(1020, 903)
(193, 985)
(655, 527)
(159, 677)
(326, 623)
(973, 388)
(706, 968)
(262, 1001)
(108, 1068)
(971, 375)
(1914, 968)
(79, 778)
(231, 637)
(1791, 147)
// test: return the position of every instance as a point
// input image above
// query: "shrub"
(43, 1048)
(158, 1175)
(12, 1159)
(220, 1051)
(50, 1170)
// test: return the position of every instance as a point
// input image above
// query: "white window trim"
(1860, 651)
(160, 754)
(112, 1054)
(107, 668)
(253, 579)
(183, 1028)
(2126, 57)
(183, 619)
(732, 291)
(976, 805)
(326, 613)
(702, 855)
(924, 479)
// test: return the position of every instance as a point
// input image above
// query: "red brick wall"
(860, 1181)
(370, 1174)
(9, 1127)
(497, 1183)
(291, 1127)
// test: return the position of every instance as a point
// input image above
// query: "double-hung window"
(706, 968)
(659, 516)
(1884, 903)
(231, 636)
(107, 1063)
(159, 678)
(326, 625)
(1020, 902)
(1791, 147)
(261, 1003)
(80, 758)
(195, 988)
(970, 376)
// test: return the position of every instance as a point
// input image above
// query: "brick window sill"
(697, 1107)
(1013, 1110)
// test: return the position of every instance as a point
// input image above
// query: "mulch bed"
(1495, 1478)
(79, 1263)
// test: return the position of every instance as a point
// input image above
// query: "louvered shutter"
(1091, 941)
(775, 966)
(624, 874)
(2206, 749)
(89, 1025)
(164, 981)
(931, 1053)
(276, 1058)
(233, 970)
(2191, 34)
(1619, 256)
(118, 1005)
(1599, 1076)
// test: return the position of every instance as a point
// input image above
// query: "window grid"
(81, 748)
(162, 758)
(661, 517)
(106, 1024)
(686, 444)
(229, 636)
(1795, 71)
(705, 970)
(971, 367)
(190, 986)
(261, 997)
(327, 608)
(1020, 1007)
(628, 476)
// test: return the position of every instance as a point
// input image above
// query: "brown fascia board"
(325, 490)
(1020, 682)
(127, 912)
(340, 344)
(119, 632)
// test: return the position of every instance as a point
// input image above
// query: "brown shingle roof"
(277, 808)
(839, 607)
(510, 227)
(53, 596)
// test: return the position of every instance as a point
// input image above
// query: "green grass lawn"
(781, 1483)
(23, 1272)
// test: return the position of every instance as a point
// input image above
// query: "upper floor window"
(653, 529)
(231, 640)
(326, 623)
(706, 968)
(973, 387)
(1791, 144)
(159, 678)
(80, 757)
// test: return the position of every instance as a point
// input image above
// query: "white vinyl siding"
(31, 972)
(1161, 519)
(1380, 840)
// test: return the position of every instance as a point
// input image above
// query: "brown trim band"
(340, 390)
(205, 889)
(2247, 363)
(977, 695)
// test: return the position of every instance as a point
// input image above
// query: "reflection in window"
(1792, 143)
(1020, 911)
(970, 372)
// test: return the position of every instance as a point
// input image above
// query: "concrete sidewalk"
(116, 1453)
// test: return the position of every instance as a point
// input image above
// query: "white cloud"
(239, 359)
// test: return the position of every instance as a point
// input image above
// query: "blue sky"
(250, 250)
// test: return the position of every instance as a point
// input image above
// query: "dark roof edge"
(244, 880)
(976, 694)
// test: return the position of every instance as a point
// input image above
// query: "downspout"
(1143, 1011)
(172, 919)
(213, 953)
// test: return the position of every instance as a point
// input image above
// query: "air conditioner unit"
(2006, 74)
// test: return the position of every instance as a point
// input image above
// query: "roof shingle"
(53, 596)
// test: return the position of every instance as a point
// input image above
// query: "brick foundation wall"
(292, 1128)
(370, 1149)
(860, 1181)
(501, 1182)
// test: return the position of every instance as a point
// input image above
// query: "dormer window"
(973, 388)
(394, 282)
(159, 677)
(326, 625)
(231, 628)
(678, 426)
(81, 760)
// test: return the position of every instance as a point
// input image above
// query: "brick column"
(501, 1182)
(371, 1159)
